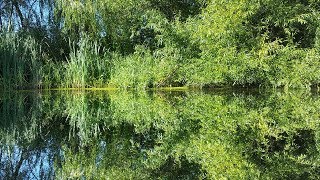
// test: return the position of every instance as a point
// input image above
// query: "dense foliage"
(155, 43)
(159, 135)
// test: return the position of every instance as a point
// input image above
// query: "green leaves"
(154, 43)
(255, 43)
(143, 135)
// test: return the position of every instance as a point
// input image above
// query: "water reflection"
(159, 135)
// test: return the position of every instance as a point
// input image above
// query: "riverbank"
(224, 44)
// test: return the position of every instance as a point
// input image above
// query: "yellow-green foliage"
(157, 43)
(164, 135)
(258, 43)
(143, 70)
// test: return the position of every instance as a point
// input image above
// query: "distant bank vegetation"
(159, 43)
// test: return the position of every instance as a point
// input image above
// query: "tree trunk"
(16, 6)
(10, 19)
(0, 22)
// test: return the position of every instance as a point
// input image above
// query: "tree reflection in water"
(159, 135)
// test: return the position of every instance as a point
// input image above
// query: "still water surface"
(159, 135)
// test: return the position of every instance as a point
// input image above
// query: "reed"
(87, 65)
(20, 65)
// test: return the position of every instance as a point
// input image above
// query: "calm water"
(159, 135)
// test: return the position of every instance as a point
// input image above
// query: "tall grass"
(87, 65)
(144, 69)
(23, 65)
(20, 62)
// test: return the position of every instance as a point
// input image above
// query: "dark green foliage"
(182, 9)
(21, 62)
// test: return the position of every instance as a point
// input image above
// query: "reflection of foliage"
(284, 139)
(165, 135)
(29, 140)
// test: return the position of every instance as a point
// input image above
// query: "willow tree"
(23, 14)
(113, 22)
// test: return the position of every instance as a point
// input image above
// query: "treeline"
(159, 43)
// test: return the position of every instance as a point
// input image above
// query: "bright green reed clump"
(85, 67)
